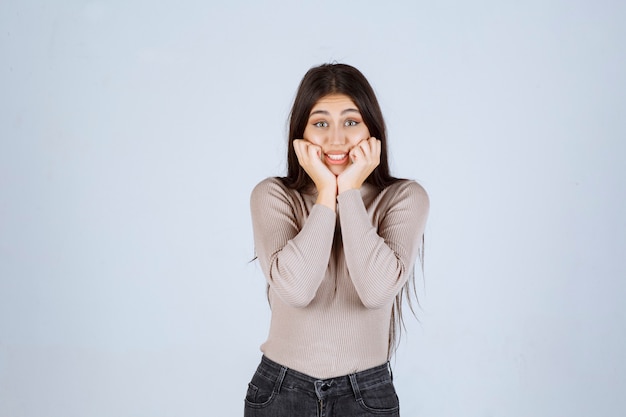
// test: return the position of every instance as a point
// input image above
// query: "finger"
(314, 151)
(357, 154)
(362, 150)
(366, 146)
(376, 148)
(373, 150)
(302, 151)
(301, 143)
(298, 146)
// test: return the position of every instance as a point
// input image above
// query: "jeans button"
(325, 386)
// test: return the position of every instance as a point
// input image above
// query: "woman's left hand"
(365, 158)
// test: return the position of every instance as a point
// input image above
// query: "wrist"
(327, 197)
(341, 187)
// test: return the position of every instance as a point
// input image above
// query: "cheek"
(313, 137)
(357, 135)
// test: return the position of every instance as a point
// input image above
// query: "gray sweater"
(333, 277)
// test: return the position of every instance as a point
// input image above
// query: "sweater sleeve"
(293, 258)
(381, 259)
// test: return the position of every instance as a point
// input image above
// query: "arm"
(294, 261)
(380, 261)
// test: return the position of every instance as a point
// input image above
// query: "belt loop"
(355, 387)
(281, 377)
(390, 370)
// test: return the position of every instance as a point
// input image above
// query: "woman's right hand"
(310, 159)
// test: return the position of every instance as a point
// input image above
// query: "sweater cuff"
(320, 214)
(350, 199)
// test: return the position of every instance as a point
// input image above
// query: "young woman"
(337, 240)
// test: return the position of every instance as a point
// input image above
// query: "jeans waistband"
(340, 385)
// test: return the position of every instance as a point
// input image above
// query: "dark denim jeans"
(276, 391)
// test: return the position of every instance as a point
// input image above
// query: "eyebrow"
(326, 112)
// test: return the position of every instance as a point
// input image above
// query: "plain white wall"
(132, 132)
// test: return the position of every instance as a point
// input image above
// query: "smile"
(337, 158)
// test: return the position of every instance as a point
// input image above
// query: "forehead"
(334, 102)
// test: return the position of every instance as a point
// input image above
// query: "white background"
(132, 132)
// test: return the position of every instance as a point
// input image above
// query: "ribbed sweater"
(333, 277)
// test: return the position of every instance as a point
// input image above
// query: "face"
(335, 124)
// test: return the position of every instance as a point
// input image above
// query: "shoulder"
(404, 196)
(407, 186)
(268, 184)
(271, 188)
(407, 190)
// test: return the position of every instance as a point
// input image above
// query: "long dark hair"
(344, 79)
(335, 79)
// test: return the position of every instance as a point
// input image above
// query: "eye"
(321, 124)
(351, 123)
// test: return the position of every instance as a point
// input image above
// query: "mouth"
(336, 158)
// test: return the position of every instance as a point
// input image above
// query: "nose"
(336, 136)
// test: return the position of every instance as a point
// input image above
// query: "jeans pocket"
(260, 391)
(380, 399)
